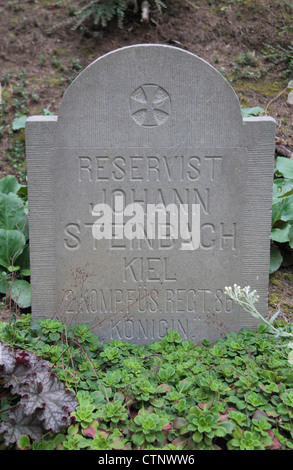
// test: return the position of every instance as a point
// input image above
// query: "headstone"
(149, 131)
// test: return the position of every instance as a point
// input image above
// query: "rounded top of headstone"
(150, 94)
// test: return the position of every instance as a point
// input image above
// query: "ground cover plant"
(236, 394)
(282, 211)
(14, 246)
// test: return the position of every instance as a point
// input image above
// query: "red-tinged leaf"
(276, 444)
(163, 388)
(224, 417)
(90, 432)
(272, 414)
(180, 442)
(167, 427)
(118, 444)
(179, 422)
(157, 402)
(23, 443)
(259, 414)
(202, 405)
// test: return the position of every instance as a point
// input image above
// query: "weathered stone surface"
(155, 125)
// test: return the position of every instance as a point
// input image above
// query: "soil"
(249, 41)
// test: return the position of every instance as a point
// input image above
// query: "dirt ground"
(249, 41)
(235, 36)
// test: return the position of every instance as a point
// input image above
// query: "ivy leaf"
(47, 394)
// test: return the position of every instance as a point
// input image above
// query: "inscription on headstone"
(148, 194)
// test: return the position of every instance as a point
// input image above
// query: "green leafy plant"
(114, 411)
(205, 424)
(100, 12)
(247, 66)
(170, 394)
(19, 122)
(282, 211)
(253, 111)
(249, 440)
(85, 412)
(280, 56)
(148, 427)
(14, 248)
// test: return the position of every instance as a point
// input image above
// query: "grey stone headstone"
(156, 125)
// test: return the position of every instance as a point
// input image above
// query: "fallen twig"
(274, 99)
(284, 151)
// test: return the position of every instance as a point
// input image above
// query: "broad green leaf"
(254, 111)
(281, 235)
(283, 210)
(138, 439)
(13, 268)
(23, 261)
(21, 293)
(47, 112)
(12, 243)
(282, 188)
(22, 192)
(276, 212)
(275, 259)
(25, 272)
(4, 284)
(12, 213)
(9, 184)
(287, 209)
(291, 236)
(19, 123)
(284, 167)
